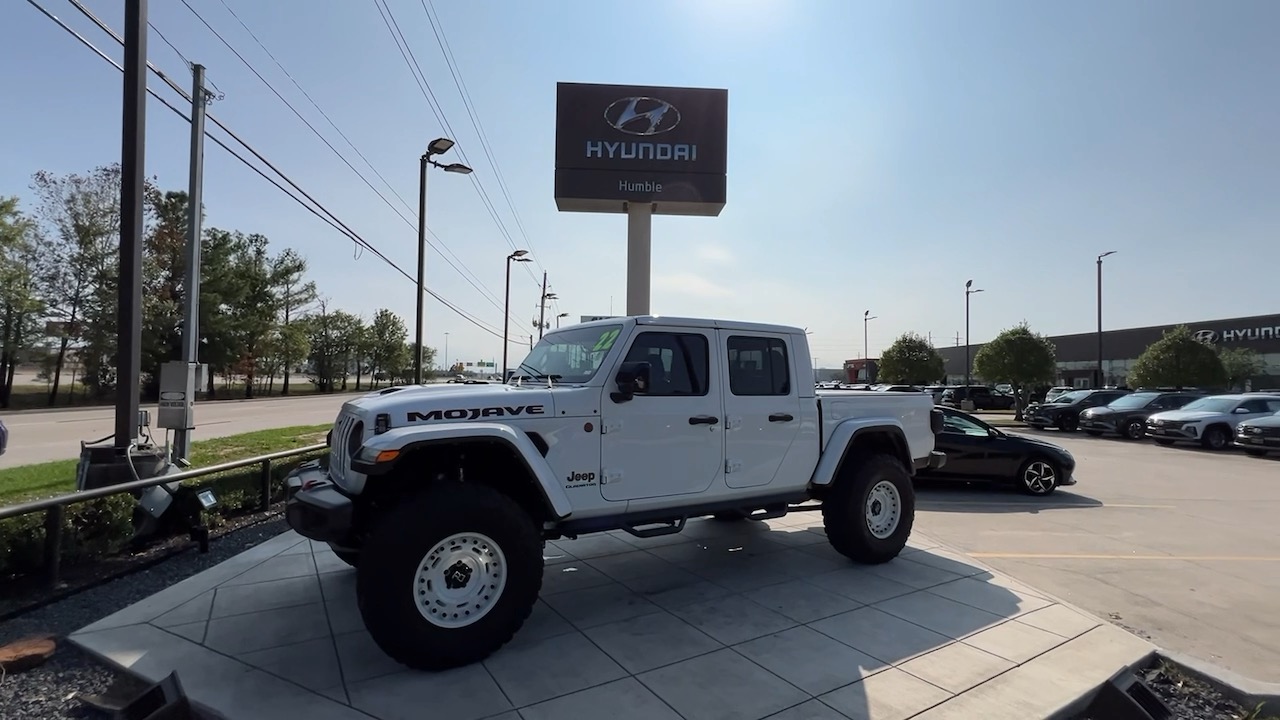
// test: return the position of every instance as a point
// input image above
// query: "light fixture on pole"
(517, 256)
(439, 146)
(1098, 381)
(561, 315)
(967, 292)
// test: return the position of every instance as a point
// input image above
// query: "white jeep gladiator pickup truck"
(443, 496)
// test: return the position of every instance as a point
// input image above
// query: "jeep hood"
(491, 402)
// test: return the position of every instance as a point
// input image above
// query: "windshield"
(1136, 400)
(568, 356)
(1071, 397)
(1212, 404)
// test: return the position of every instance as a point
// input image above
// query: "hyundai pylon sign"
(624, 143)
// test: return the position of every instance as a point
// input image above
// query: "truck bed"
(909, 411)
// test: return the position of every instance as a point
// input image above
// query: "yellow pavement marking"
(1093, 556)
(1034, 505)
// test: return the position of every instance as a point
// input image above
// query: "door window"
(758, 366)
(678, 362)
(1260, 405)
(958, 425)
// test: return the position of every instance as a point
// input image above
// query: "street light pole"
(439, 146)
(967, 292)
(1098, 381)
(448, 366)
(517, 256)
(866, 350)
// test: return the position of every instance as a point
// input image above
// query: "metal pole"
(448, 367)
(422, 268)
(966, 339)
(1098, 381)
(191, 281)
(506, 320)
(132, 172)
(865, 347)
(639, 256)
(542, 307)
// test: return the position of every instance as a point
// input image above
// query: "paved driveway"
(1179, 545)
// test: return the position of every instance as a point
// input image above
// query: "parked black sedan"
(978, 452)
(1064, 412)
(1127, 416)
(1259, 436)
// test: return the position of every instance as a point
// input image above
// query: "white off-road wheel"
(869, 512)
(449, 576)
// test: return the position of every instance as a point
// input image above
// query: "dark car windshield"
(1072, 397)
(568, 356)
(1134, 401)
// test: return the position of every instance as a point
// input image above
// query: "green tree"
(387, 349)
(1240, 365)
(20, 306)
(1019, 357)
(1178, 360)
(911, 359)
(296, 294)
(163, 286)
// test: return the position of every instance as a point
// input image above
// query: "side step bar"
(648, 530)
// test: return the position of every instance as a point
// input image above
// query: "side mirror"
(1242, 411)
(632, 379)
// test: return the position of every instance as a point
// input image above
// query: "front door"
(668, 440)
(762, 408)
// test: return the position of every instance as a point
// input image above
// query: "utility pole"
(1099, 381)
(422, 266)
(542, 306)
(191, 281)
(448, 366)
(132, 172)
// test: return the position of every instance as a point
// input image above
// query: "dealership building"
(1078, 354)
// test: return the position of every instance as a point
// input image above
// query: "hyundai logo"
(1206, 336)
(642, 116)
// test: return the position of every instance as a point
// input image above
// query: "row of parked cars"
(1248, 420)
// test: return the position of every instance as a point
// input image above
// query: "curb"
(151, 405)
(1245, 692)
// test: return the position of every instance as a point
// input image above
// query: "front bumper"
(1165, 432)
(1105, 426)
(316, 509)
(1257, 442)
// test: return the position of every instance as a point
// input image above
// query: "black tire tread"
(406, 533)
(843, 510)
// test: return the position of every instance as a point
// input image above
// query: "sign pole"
(639, 256)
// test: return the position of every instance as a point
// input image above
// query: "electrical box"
(178, 383)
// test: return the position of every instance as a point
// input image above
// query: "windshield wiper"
(536, 375)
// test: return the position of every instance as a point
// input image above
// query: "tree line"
(1025, 359)
(260, 319)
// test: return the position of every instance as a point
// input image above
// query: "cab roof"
(695, 323)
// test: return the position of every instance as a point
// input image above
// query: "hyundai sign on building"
(617, 144)
(643, 151)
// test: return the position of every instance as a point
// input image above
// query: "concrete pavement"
(56, 434)
(1177, 544)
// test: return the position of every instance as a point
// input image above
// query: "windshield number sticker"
(606, 340)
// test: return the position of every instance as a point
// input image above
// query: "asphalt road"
(1176, 544)
(56, 435)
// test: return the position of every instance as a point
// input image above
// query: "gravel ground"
(50, 690)
(1190, 699)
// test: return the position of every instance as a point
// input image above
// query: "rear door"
(762, 406)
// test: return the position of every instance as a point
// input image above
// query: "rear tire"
(1068, 423)
(449, 576)
(869, 512)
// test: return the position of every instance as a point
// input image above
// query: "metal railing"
(54, 508)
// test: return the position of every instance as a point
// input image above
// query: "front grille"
(341, 450)
(1258, 431)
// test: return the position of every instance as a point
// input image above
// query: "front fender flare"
(409, 439)
(846, 433)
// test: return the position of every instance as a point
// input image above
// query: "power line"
(442, 40)
(411, 61)
(484, 291)
(334, 222)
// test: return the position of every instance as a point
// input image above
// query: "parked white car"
(1210, 421)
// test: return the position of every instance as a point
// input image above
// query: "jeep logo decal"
(476, 413)
(580, 479)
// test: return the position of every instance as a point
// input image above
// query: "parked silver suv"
(1210, 421)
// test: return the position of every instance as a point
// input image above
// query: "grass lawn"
(53, 478)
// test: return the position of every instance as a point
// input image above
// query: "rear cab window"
(758, 366)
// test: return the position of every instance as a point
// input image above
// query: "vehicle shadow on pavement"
(944, 496)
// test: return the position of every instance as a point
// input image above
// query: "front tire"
(1256, 453)
(1093, 433)
(350, 557)
(1038, 476)
(1068, 423)
(1215, 438)
(1135, 430)
(449, 577)
(1166, 443)
(870, 510)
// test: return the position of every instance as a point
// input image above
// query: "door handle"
(781, 417)
(704, 420)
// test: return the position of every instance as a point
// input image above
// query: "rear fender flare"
(847, 433)
(409, 439)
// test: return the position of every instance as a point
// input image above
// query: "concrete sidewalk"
(735, 621)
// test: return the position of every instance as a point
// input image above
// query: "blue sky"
(880, 154)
